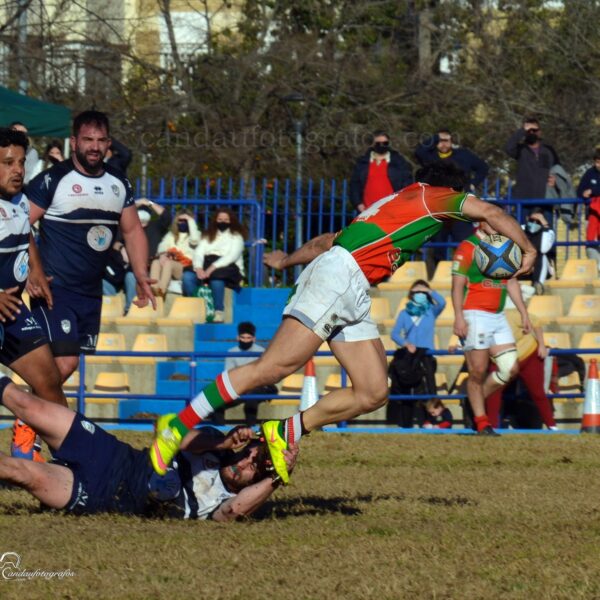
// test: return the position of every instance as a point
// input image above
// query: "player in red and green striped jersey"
(330, 301)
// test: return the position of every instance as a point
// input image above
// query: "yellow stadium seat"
(72, 382)
(546, 308)
(449, 359)
(557, 339)
(142, 316)
(114, 383)
(111, 382)
(584, 310)
(293, 383)
(185, 312)
(334, 382)
(577, 272)
(441, 383)
(324, 361)
(380, 309)
(442, 278)
(389, 323)
(590, 339)
(405, 276)
(146, 342)
(112, 308)
(108, 342)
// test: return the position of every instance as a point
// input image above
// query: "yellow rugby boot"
(165, 444)
(276, 444)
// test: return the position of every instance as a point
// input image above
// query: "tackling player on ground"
(330, 301)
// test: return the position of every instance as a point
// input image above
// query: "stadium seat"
(584, 310)
(111, 382)
(145, 342)
(446, 318)
(441, 383)
(546, 308)
(557, 339)
(380, 309)
(107, 342)
(185, 312)
(112, 309)
(325, 361)
(115, 383)
(389, 323)
(334, 382)
(142, 316)
(442, 278)
(576, 272)
(404, 277)
(590, 339)
(292, 383)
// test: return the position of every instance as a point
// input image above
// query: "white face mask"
(533, 227)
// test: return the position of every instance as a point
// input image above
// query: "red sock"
(482, 422)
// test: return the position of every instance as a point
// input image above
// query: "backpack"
(406, 368)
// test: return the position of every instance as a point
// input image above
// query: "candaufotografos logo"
(11, 568)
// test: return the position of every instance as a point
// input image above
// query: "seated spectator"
(412, 371)
(175, 252)
(437, 415)
(53, 154)
(542, 236)
(589, 189)
(115, 274)
(218, 260)
(246, 343)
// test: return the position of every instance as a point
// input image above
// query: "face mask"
(183, 226)
(421, 298)
(144, 216)
(245, 345)
(380, 148)
(531, 138)
(223, 226)
(533, 227)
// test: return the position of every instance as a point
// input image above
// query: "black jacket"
(399, 174)
(474, 167)
(532, 170)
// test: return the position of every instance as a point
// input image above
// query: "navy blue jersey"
(14, 242)
(81, 221)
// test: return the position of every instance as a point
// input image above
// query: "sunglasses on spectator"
(534, 129)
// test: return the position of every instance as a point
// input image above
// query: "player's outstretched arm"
(305, 254)
(477, 210)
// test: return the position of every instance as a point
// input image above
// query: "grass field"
(367, 516)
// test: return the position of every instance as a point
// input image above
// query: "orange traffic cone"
(591, 408)
(310, 393)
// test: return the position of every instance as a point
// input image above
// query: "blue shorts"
(73, 324)
(20, 337)
(108, 475)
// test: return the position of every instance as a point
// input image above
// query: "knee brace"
(505, 362)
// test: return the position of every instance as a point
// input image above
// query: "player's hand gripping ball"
(498, 257)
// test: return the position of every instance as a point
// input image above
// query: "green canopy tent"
(40, 118)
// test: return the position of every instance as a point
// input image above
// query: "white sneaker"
(219, 316)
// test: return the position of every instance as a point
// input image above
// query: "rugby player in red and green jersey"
(330, 301)
(480, 324)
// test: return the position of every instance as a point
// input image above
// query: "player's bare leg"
(478, 362)
(50, 484)
(67, 365)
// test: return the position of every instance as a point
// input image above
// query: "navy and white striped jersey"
(14, 242)
(81, 221)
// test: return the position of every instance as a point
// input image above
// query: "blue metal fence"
(280, 213)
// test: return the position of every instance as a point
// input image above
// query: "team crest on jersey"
(99, 238)
(65, 325)
(98, 190)
(115, 189)
(21, 266)
(24, 206)
(395, 258)
(77, 188)
(89, 427)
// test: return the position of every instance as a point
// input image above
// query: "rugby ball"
(498, 257)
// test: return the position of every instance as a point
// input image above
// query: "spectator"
(118, 156)
(531, 354)
(246, 343)
(542, 236)
(218, 260)
(440, 147)
(53, 154)
(534, 161)
(116, 274)
(589, 189)
(175, 252)
(559, 186)
(33, 164)
(412, 370)
(438, 416)
(378, 173)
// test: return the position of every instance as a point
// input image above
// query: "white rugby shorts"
(486, 329)
(331, 298)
